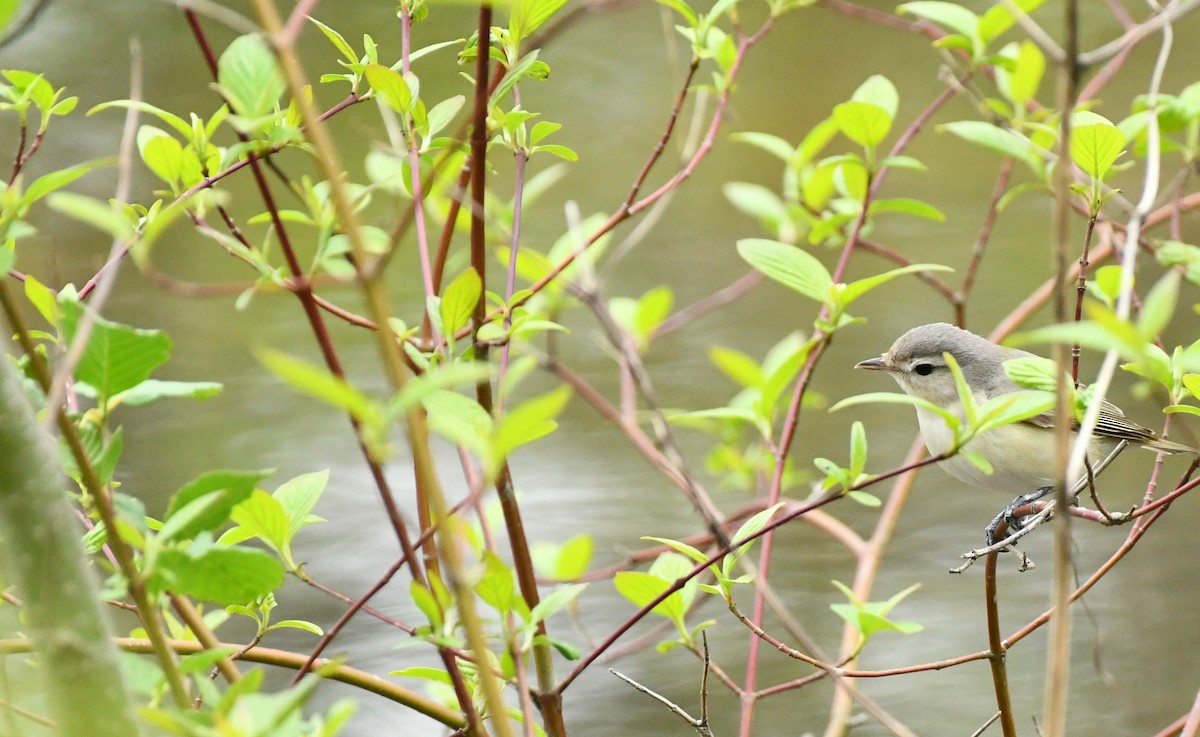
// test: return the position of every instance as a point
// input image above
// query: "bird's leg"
(1009, 517)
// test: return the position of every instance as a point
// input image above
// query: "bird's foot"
(1008, 516)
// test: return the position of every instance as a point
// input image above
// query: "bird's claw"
(1008, 516)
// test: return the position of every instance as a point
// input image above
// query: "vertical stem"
(1059, 649)
(146, 609)
(78, 663)
(996, 650)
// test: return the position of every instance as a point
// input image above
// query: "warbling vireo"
(1022, 455)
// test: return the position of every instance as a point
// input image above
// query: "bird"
(1022, 455)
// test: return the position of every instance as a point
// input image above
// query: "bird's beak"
(879, 363)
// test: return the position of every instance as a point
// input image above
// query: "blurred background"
(614, 74)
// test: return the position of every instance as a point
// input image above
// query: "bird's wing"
(1112, 423)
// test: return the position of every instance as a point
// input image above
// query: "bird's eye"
(923, 369)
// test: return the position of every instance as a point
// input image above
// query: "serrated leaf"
(530, 15)
(220, 574)
(261, 516)
(206, 502)
(117, 357)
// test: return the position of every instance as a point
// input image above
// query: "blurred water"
(614, 75)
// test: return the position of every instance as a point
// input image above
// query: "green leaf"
(865, 123)
(153, 389)
(99, 215)
(320, 384)
(681, 7)
(496, 586)
(1032, 372)
(261, 516)
(424, 599)
(249, 76)
(181, 126)
(642, 588)
(788, 265)
(739, 367)
(391, 86)
(1095, 147)
(850, 292)
(44, 299)
(999, 139)
(459, 300)
(572, 558)
(425, 674)
(907, 206)
(459, 419)
(750, 527)
(298, 496)
(1014, 407)
(858, 449)
(47, 183)
(1027, 73)
(529, 15)
(221, 575)
(117, 357)
(161, 153)
(878, 90)
(892, 398)
(756, 201)
(774, 145)
(951, 15)
(205, 503)
(1158, 307)
(555, 601)
(528, 421)
(526, 66)
(337, 40)
(999, 18)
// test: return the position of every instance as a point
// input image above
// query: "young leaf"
(865, 123)
(320, 384)
(528, 421)
(555, 601)
(790, 266)
(391, 86)
(999, 139)
(1095, 147)
(249, 76)
(878, 90)
(205, 503)
(643, 588)
(458, 301)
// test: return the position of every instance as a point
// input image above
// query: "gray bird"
(1022, 454)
